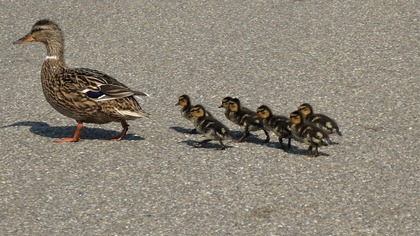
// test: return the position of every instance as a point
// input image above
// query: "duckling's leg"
(119, 137)
(281, 142)
(75, 135)
(310, 150)
(289, 143)
(316, 151)
(193, 131)
(244, 136)
(267, 136)
(223, 146)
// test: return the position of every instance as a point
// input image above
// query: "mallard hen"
(86, 95)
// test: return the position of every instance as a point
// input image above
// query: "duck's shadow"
(45, 130)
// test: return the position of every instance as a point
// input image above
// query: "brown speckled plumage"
(86, 95)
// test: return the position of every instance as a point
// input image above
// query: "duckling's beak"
(221, 106)
(26, 39)
(177, 104)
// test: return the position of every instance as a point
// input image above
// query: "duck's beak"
(221, 106)
(26, 39)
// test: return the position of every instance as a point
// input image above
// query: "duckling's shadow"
(252, 138)
(293, 149)
(209, 145)
(45, 130)
(182, 130)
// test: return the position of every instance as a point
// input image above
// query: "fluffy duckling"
(85, 95)
(185, 102)
(308, 133)
(322, 121)
(210, 127)
(247, 119)
(228, 114)
(276, 123)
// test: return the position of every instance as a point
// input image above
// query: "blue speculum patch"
(94, 94)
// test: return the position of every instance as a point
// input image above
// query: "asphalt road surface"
(356, 61)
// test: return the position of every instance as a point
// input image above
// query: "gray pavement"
(356, 61)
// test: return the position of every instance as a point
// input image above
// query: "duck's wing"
(98, 85)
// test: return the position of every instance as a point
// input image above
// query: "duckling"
(308, 133)
(247, 119)
(228, 114)
(322, 121)
(276, 123)
(85, 95)
(185, 102)
(209, 126)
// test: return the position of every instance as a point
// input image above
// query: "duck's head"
(264, 112)
(197, 111)
(296, 117)
(183, 101)
(225, 102)
(234, 105)
(305, 109)
(44, 31)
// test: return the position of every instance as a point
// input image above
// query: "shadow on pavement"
(210, 145)
(45, 130)
(182, 130)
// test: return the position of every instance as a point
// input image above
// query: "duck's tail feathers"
(134, 114)
(138, 93)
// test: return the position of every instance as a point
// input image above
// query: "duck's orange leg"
(119, 137)
(75, 135)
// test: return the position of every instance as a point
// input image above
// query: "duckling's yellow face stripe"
(197, 112)
(225, 103)
(295, 119)
(182, 101)
(262, 113)
(305, 110)
(233, 106)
